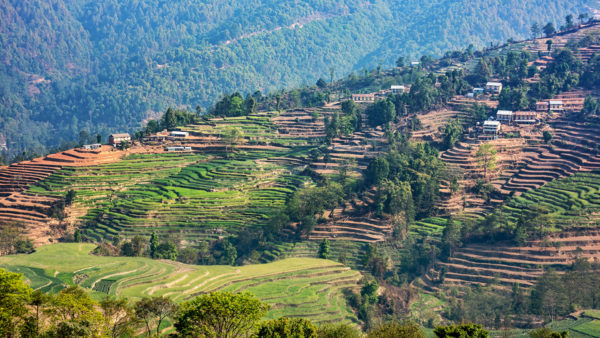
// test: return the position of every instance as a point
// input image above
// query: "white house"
(180, 134)
(115, 139)
(94, 146)
(363, 97)
(493, 87)
(398, 89)
(491, 129)
(504, 116)
(556, 106)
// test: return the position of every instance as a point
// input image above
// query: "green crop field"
(299, 287)
(569, 200)
(191, 197)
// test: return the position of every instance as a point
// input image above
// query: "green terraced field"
(571, 201)
(297, 287)
(192, 197)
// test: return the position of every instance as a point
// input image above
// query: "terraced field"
(296, 287)
(573, 205)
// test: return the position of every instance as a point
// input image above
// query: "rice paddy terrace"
(219, 188)
(297, 287)
(571, 204)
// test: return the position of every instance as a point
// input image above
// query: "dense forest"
(72, 65)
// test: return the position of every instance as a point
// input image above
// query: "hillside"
(72, 65)
(307, 288)
(426, 188)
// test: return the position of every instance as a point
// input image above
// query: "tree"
(377, 170)
(400, 62)
(536, 30)
(549, 43)
(287, 327)
(153, 244)
(232, 137)
(220, 314)
(569, 23)
(591, 106)
(229, 253)
(463, 330)
(544, 332)
(395, 329)
(70, 197)
(119, 317)
(381, 112)
(486, 157)
(451, 238)
(547, 136)
(324, 249)
(549, 29)
(452, 134)
(338, 330)
(154, 309)
(166, 250)
(321, 83)
(170, 120)
(14, 298)
(331, 74)
(198, 110)
(77, 236)
(76, 314)
(98, 138)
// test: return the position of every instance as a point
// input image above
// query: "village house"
(504, 116)
(525, 117)
(556, 105)
(179, 149)
(180, 134)
(493, 87)
(491, 129)
(115, 139)
(94, 146)
(398, 89)
(542, 106)
(361, 98)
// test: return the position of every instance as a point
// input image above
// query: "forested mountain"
(103, 66)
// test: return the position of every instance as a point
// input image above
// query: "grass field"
(297, 287)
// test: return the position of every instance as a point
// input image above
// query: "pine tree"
(324, 249)
(153, 244)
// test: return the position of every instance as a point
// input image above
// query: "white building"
(491, 129)
(180, 134)
(493, 87)
(94, 146)
(398, 89)
(504, 116)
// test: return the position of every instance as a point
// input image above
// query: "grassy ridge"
(300, 287)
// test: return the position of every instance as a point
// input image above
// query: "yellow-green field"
(296, 287)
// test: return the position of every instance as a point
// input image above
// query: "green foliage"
(463, 330)
(220, 314)
(338, 330)
(452, 133)
(287, 327)
(14, 297)
(381, 112)
(119, 317)
(543, 332)
(154, 311)
(324, 249)
(547, 136)
(395, 329)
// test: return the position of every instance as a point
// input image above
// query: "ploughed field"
(295, 287)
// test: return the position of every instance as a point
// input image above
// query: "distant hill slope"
(297, 287)
(69, 65)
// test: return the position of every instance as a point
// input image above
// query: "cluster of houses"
(492, 128)
(494, 88)
(380, 95)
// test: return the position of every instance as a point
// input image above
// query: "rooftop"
(491, 123)
(494, 84)
(504, 112)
